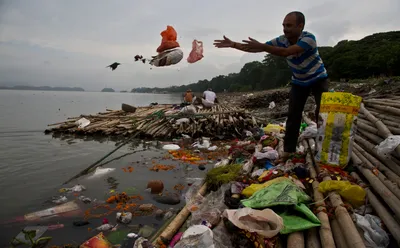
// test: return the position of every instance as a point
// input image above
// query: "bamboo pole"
(372, 102)
(376, 139)
(338, 235)
(378, 164)
(392, 201)
(379, 124)
(371, 149)
(367, 164)
(325, 231)
(384, 116)
(387, 109)
(313, 238)
(295, 240)
(174, 226)
(383, 213)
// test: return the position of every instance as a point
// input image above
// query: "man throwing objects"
(308, 71)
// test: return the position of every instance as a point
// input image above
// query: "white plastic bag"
(182, 120)
(264, 222)
(271, 105)
(197, 236)
(388, 145)
(125, 217)
(171, 147)
(188, 110)
(82, 122)
(310, 132)
(374, 235)
(222, 163)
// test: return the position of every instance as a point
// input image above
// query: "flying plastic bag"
(352, 193)
(335, 137)
(264, 222)
(168, 41)
(168, 57)
(197, 52)
(388, 145)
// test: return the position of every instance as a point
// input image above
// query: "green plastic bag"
(296, 216)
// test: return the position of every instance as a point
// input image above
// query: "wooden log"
(384, 116)
(374, 138)
(174, 226)
(296, 240)
(387, 109)
(340, 242)
(383, 102)
(391, 200)
(372, 150)
(383, 213)
(378, 164)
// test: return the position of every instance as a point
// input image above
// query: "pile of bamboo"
(161, 121)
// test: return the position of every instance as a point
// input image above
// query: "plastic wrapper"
(374, 235)
(264, 222)
(98, 241)
(222, 163)
(222, 238)
(192, 198)
(253, 188)
(273, 128)
(190, 109)
(335, 138)
(211, 208)
(169, 37)
(125, 217)
(309, 132)
(197, 236)
(197, 52)
(352, 193)
(388, 145)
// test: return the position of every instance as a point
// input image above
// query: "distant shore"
(42, 88)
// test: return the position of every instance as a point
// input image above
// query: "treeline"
(372, 56)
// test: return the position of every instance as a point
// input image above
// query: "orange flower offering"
(179, 187)
(128, 169)
(159, 167)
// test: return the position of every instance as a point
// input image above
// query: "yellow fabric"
(339, 112)
(352, 193)
(253, 188)
(273, 128)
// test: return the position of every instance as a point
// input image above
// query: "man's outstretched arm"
(245, 48)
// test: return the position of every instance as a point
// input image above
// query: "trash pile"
(160, 121)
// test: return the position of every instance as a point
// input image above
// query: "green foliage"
(30, 235)
(372, 56)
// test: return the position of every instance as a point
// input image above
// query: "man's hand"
(224, 43)
(253, 44)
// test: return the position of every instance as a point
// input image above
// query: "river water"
(33, 165)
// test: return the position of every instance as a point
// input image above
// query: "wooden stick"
(384, 116)
(174, 226)
(375, 138)
(382, 211)
(387, 109)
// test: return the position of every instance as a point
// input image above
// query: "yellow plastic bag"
(253, 188)
(352, 193)
(273, 128)
(339, 112)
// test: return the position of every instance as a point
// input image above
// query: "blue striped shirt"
(307, 67)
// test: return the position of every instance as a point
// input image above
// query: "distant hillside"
(41, 88)
(108, 90)
(373, 56)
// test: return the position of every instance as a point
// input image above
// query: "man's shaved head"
(299, 17)
(293, 25)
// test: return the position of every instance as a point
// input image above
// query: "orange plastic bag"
(197, 52)
(168, 41)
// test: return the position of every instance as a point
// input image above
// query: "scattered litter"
(171, 147)
(105, 227)
(212, 148)
(101, 172)
(82, 122)
(271, 105)
(59, 199)
(124, 217)
(388, 145)
(85, 199)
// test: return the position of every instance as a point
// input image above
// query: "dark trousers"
(297, 100)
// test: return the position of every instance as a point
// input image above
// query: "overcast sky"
(70, 42)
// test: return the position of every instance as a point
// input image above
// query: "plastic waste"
(85, 199)
(335, 139)
(59, 199)
(190, 109)
(197, 52)
(212, 148)
(169, 37)
(197, 236)
(248, 166)
(124, 217)
(388, 145)
(271, 155)
(97, 241)
(99, 172)
(82, 122)
(205, 144)
(70, 208)
(192, 198)
(257, 173)
(21, 237)
(253, 188)
(142, 243)
(222, 238)
(264, 222)
(182, 120)
(77, 188)
(222, 163)
(168, 57)
(171, 147)
(352, 193)
(311, 131)
(105, 227)
(375, 236)
(273, 128)
(146, 231)
(271, 105)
